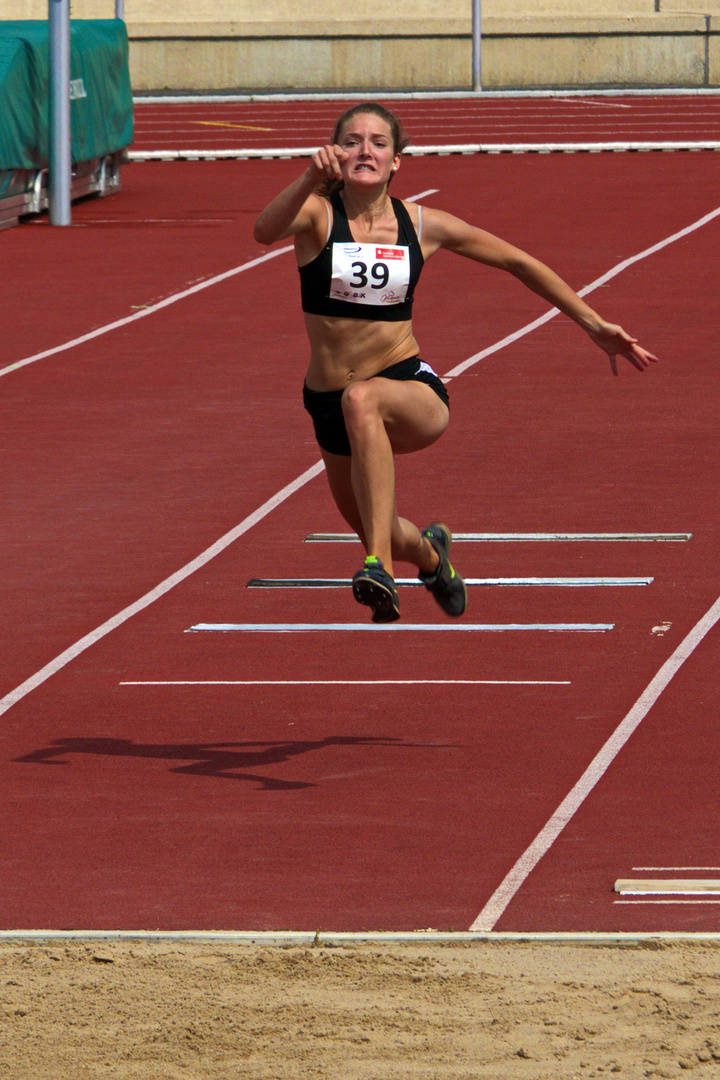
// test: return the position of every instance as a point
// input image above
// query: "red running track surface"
(348, 807)
(208, 124)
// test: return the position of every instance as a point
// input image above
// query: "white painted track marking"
(352, 682)
(669, 887)
(273, 152)
(150, 597)
(636, 903)
(511, 338)
(486, 538)
(669, 868)
(85, 642)
(146, 311)
(527, 582)
(290, 628)
(430, 95)
(166, 303)
(597, 768)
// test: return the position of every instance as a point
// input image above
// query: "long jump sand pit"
(163, 1011)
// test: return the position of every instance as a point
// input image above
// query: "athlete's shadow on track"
(221, 760)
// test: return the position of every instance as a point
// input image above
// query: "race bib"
(370, 274)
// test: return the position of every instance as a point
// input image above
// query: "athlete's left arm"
(441, 230)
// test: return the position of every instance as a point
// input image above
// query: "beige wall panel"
(511, 8)
(444, 62)
(405, 64)
(79, 9)
(631, 61)
(281, 10)
(248, 10)
(310, 65)
(413, 64)
(280, 65)
(702, 7)
(261, 10)
(227, 65)
(634, 57)
(714, 53)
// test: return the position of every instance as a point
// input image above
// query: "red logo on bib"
(389, 253)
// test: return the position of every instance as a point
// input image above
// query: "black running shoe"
(444, 583)
(374, 587)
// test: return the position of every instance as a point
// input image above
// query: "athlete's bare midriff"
(344, 350)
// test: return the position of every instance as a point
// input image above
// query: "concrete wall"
(284, 11)
(170, 11)
(272, 45)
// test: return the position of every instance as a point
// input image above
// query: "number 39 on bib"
(370, 274)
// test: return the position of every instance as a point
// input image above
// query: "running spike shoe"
(374, 587)
(444, 583)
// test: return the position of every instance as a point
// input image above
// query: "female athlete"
(360, 253)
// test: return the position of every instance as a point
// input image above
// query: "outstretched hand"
(327, 161)
(616, 342)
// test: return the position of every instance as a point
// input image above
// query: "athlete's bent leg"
(384, 417)
(407, 545)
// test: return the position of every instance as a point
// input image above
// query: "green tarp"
(101, 98)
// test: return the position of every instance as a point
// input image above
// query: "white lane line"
(509, 96)
(430, 191)
(85, 642)
(676, 868)
(167, 302)
(635, 903)
(511, 338)
(597, 768)
(145, 311)
(351, 682)
(667, 886)
(150, 597)
(197, 153)
(601, 104)
(291, 628)
(550, 537)
(560, 582)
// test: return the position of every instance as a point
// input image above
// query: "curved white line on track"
(597, 768)
(150, 597)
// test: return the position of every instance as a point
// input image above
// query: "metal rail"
(476, 45)
(60, 163)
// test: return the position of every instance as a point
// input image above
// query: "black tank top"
(363, 281)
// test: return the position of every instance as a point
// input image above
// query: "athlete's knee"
(360, 397)
(360, 404)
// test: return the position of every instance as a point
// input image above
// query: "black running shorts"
(325, 406)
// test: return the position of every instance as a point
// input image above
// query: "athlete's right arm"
(298, 209)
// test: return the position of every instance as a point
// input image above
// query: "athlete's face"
(367, 140)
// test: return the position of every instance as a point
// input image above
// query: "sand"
(363, 1012)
